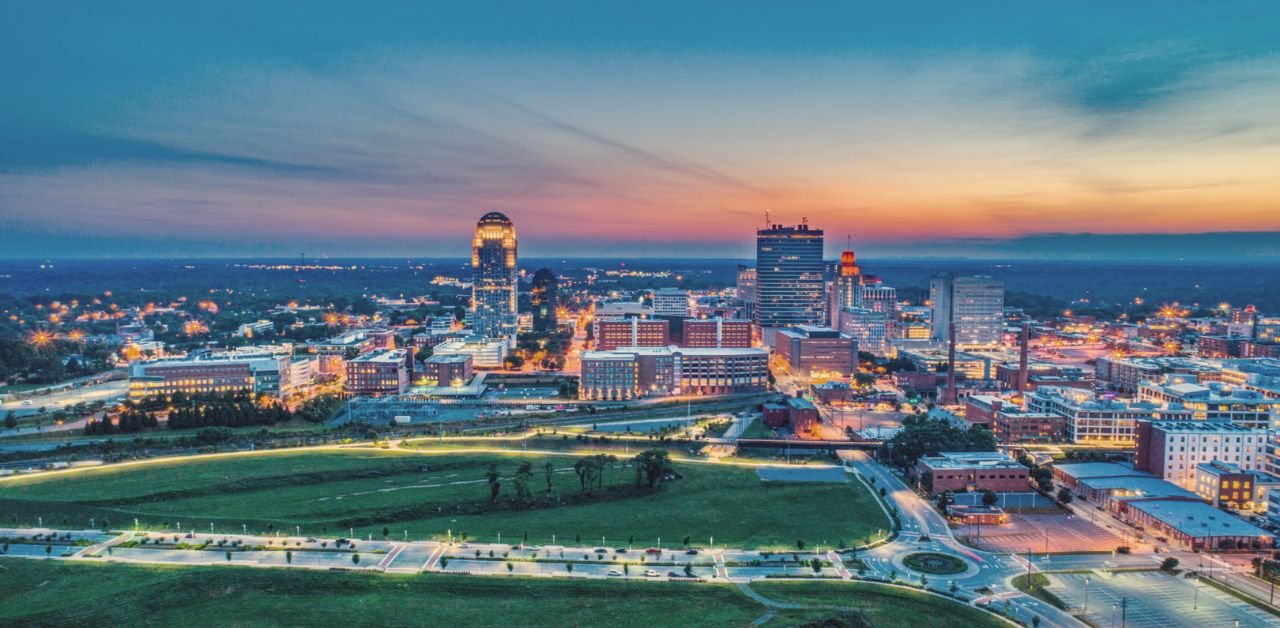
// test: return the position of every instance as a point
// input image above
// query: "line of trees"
(924, 436)
(652, 467)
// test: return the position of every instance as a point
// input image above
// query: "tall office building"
(544, 297)
(975, 305)
(493, 283)
(747, 291)
(846, 287)
(789, 282)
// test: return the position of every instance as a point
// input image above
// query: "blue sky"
(153, 129)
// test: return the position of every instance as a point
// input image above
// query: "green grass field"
(328, 492)
(55, 593)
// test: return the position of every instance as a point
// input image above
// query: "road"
(108, 391)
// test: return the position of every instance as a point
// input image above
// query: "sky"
(984, 129)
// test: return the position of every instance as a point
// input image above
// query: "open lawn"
(885, 607)
(35, 592)
(431, 493)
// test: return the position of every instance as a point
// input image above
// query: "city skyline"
(940, 130)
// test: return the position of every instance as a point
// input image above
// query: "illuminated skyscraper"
(493, 282)
(789, 282)
(846, 287)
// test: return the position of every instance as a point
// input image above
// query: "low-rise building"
(1197, 525)
(810, 351)
(447, 370)
(382, 372)
(717, 333)
(634, 372)
(612, 333)
(973, 471)
(261, 370)
(486, 353)
(1093, 420)
(1215, 402)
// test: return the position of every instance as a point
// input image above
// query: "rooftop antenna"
(767, 224)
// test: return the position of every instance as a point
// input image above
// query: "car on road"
(601, 550)
(620, 550)
(653, 550)
(691, 551)
(465, 545)
(615, 572)
(649, 573)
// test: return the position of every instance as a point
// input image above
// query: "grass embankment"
(34, 592)
(429, 493)
(885, 607)
(1037, 589)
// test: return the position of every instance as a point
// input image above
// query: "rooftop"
(1086, 470)
(1196, 518)
(1205, 427)
(971, 459)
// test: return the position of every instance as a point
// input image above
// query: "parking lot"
(1154, 598)
(1038, 533)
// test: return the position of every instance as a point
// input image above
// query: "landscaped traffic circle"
(933, 563)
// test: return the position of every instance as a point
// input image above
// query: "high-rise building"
(869, 328)
(544, 297)
(974, 305)
(846, 287)
(493, 284)
(747, 291)
(789, 277)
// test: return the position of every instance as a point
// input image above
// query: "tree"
(524, 473)
(1169, 564)
(510, 566)
(800, 544)
(386, 532)
(816, 565)
(569, 566)
(228, 555)
(654, 464)
(549, 468)
(355, 559)
(494, 484)
(688, 569)
(11, 419)
(1064, 495)
(288, 556)
(989, 497)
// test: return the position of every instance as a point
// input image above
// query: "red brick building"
(717, 333)
(974, 471)
(612, 333)
(809, 351)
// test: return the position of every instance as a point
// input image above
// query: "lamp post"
(1086, 595)
(1195, 603)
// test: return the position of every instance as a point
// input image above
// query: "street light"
(1086, 595)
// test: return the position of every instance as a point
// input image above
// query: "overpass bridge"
(784, 443)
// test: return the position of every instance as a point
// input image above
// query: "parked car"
(649, 573)
(601, 550)
(691, 551)
(615, 572)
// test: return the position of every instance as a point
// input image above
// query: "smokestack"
(951, 364)
(1024, 341)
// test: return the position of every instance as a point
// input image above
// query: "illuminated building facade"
(717, 333)
(493, 284)
(383, 372)
(813, 351)
(789, 277)
(612, 333)
(846, 289)
(974, 305)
